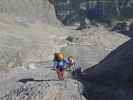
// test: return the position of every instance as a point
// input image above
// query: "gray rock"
(40, 86)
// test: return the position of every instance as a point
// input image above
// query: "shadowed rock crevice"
(111, 78)
(34, 80)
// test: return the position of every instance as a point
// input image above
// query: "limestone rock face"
(30, 10)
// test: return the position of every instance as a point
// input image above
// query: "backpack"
(59, 56)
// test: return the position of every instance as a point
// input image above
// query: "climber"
(59, 63)
(71, 63)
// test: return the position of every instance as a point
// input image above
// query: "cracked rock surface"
(40, 84)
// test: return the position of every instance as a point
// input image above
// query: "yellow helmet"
(59, 56)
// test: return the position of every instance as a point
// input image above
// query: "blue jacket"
(60, 64)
